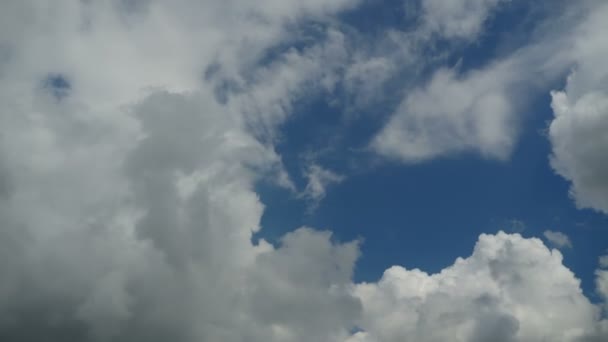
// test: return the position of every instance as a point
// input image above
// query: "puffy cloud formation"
(578, 132)
(132, 137)
(133, 133)
(558, 239)
(579, 146)
(172, 258)
(509, 289)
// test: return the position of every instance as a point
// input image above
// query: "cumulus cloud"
(509, 289)
(126, 176)
(579, 146)
(175, 260)
(577, 132)
(558, 239)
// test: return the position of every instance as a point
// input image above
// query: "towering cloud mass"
(132, 136)
(131, 142)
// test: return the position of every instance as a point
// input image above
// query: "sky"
(322, 170)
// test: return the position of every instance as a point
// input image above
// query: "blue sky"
(296, 171)
(425, 215)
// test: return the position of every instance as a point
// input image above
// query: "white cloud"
(580, 146)
(577, 132)
(603, 261)
(601, 283)
(509, 289)
(480, 110)
(319, 179)
(457, 19)
(452, 115)
(366, 76)
(267, 102)
(399, 57)
(558, 239)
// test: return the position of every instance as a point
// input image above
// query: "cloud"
(133, 136)
(462, 19)
(577, 133)
(509, 289)
(558, 239)
(127, 205)
(319, 179)
(481, 110)
(579, 146)
(515, 226)
(175, 260)
(366, 77)
(603, 261)
(452, 115)
(384, 67)
(601, 283)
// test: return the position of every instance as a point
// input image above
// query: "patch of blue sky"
(375, 17)
(57, 85)
(425, 215)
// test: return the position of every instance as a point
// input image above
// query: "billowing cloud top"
(133, 135)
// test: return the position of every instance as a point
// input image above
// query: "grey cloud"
(131, 209)
(188, 271)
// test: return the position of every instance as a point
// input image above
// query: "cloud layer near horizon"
(134, 133)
